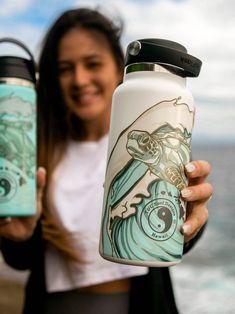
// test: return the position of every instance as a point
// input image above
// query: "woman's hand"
(22, 228)
(196, 194)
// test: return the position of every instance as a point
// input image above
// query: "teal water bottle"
(17, 133)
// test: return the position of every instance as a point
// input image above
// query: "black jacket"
(151, 293)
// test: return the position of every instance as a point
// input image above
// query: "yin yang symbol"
(5, 187)
(8, 186)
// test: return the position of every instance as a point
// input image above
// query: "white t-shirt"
(77, 186)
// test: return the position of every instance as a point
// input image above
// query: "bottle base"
(140, 263)
(17, 214)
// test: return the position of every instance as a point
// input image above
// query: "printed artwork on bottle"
(17, 149)
(143, 210)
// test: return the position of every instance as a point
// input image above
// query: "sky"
(206, 28)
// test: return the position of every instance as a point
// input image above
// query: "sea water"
(205, 280)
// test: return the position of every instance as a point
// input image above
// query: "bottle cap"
(165, 52)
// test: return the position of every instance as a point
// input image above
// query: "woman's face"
(88, 75)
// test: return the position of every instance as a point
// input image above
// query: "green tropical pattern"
(17, 150)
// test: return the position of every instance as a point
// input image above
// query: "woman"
(80, 66)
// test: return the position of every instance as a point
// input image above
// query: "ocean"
(204, 282)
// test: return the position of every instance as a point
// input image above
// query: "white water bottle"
(149, 145)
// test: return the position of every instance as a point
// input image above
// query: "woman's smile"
(86, 98)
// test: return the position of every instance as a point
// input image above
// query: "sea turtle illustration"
(16, 146)
(142, 194)
(165, 151)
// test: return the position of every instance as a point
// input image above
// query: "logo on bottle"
(8, 186)
(159, 219)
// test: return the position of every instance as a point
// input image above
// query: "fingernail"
(190, 167)
(42, 169)
(186, 193)
(186, 228)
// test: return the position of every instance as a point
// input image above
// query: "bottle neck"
(153, 70)
(154, 67)
(16, 81)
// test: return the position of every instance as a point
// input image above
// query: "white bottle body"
(149, 144)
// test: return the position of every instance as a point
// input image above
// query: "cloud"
(214, 122)
(206, 28)
(31, 37)
(13, 7)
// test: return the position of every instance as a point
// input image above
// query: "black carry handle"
(16, 61)
(18, 43)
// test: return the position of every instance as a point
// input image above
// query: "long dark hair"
(53, 127)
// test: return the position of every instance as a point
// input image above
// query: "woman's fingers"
(196, 195)
(197, 171)
(200, 192)
(197, 216)
(22, 228)
(4, 221)
(41, 181)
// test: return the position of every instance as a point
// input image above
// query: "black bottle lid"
(17, 67)
(166, 52)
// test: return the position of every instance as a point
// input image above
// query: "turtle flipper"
(175, 178)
